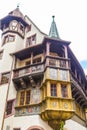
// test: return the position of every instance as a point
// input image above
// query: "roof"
(53, 29)
(13, 15)
(24, 53)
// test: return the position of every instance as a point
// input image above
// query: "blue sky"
(84, 65)
(70, 17)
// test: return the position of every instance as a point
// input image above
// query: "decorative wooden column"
(66, 56)
(32, 58)
(66, 53)
(69, 90)
(48, 48)
(15, 62)
(59, 90)
(48, 94)
(48, 88)
(44, 55)
(86, 114)
(47, 52)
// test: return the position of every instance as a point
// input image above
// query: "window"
(64, 91)
(8, 38)
(28, 97)
(1, 54)
(28, 28)
(5, 78)
(9, 107)
(24, 97)
(53, 74)
(28, 42)
(31, 41)
(53, 90)
(11, 38)
(64, 75)
(21, 27)
(35, 129)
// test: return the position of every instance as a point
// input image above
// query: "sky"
(70, 18)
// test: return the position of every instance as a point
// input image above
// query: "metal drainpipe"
(7, 93)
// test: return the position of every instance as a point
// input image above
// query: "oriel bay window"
(24, 97)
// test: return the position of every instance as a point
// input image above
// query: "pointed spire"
(53, 29)
(17, 12)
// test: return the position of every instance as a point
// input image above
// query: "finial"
(18, 5)
(53, 17)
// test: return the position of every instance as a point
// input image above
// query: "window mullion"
(25, 97)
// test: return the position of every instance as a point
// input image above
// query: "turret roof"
(53, 29)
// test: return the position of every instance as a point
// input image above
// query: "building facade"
(42, 84)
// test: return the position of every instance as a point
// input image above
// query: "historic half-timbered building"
(42, 84)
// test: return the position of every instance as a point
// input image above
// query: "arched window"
(35, 128)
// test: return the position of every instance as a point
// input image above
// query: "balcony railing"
(40, 67)
(57, 62)
(28, 70)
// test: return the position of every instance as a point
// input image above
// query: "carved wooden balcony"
(27, 70)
